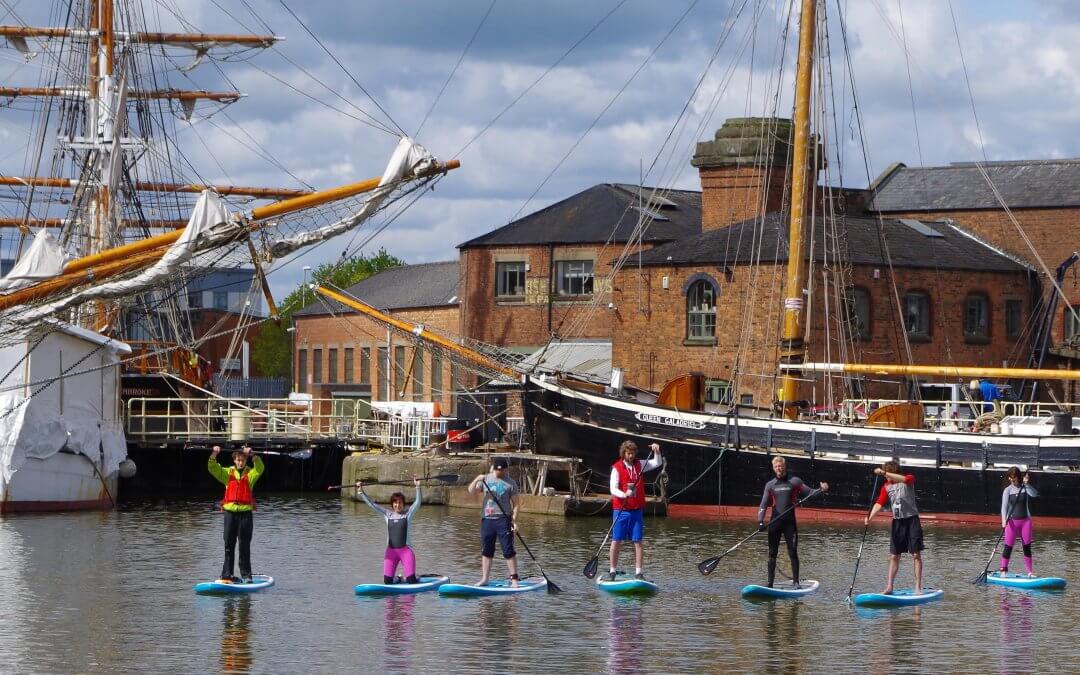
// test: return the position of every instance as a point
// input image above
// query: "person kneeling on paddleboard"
(628, 503)
(782, 493)
(1016, 517)
(397, 533)
(238, 505)
(907, 534)
(495, 524)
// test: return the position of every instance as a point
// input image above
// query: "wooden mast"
(419, 331)
(962, 372)
(791, 343)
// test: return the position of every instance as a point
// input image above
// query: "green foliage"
(271, 350)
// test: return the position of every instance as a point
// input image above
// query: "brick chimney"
(744, 170)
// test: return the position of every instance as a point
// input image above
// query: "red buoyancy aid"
(629, 476)
(238, 489)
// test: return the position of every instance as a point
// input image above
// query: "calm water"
(112, 592)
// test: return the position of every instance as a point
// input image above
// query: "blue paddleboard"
(625, 584)
(898, 598)
(1014, 580)
(497, 587)
(258, 582)
(784, 590)
(428, 582)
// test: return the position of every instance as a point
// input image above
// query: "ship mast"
(791, 343)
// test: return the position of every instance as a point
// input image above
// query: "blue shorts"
(629, 525)
(496, 528)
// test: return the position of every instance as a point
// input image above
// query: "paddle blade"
(590, 567)
(706, 567)
(552, 587)
(981, 579)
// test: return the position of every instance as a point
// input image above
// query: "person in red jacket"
(628, 502)
(238, 506)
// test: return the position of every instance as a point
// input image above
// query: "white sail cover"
(41, 415)
(409, 158)
(44, 259)
(209, 221)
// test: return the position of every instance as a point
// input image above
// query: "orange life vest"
(238, 489)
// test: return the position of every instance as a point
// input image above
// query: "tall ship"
(110, 225)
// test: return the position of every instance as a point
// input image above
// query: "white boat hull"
(63, 482)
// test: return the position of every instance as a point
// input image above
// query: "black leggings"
(790, 531)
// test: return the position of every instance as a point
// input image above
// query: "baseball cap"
(500, 463)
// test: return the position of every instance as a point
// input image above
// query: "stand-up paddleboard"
(219, 587)
(625, 584)
(1013, 580)
(898, 598)
(428, 582)
(784, 590)
(497, 587)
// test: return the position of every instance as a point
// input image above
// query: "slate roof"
(597, 214)
(1022, 184)
(909, 245)
(405, 287)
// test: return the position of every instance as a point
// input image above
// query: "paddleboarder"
(238, 505)
(1016, 517)
(782, 493)
(907, 534)
(627, 486)
(397, 518)
(494, 524)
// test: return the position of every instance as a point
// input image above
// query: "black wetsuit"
(781, 494)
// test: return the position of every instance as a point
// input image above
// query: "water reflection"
(499, 620)
(1016, 633)
(236, 652)
(783, 628)
(398, 634)
(626, 636)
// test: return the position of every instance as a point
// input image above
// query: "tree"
(271, 350)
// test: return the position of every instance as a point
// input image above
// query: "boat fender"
(127, 469)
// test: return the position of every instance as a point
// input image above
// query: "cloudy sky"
(601, 112)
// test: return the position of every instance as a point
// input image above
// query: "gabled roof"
(1022, 184)
(405, 287)
(910, 243)
(607, 211)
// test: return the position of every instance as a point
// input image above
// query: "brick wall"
(649, 337)
(351, 331)
(1052, 231)
(528, 322)
(732, 194)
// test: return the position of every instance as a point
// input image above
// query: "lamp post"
(303, 288)
(291, 330)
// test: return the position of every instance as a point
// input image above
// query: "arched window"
(701, 311)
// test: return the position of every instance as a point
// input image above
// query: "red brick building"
(341, 354)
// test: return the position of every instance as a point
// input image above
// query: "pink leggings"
(393, 556)
(1017, 527)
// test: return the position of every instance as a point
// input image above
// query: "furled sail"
(44, 259)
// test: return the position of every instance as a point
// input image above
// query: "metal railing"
(171, 419)
(950, 413)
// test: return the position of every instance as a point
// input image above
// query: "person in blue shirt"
(988, 392)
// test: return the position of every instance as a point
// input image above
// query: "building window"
(316, 366)
(436, 376)
(858, 313)
(510, 279)
(718, 391)
(365, 365)
(194, 300)
(221, 300)
(574, 277)
(418, 374)
(1072, 324)
(399, 372)
(917, 315)
(348, 365)
(1014, 316)
(976, 317)
(301, 371)
(331, 366)
(701, 311)
(384, 373)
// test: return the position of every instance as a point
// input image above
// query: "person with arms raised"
(238, 506)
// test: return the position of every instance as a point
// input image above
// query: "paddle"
(981, 579)
(594, 562)
(707, 566)
(445, 477)
(552, 587)
(866, 526)
(295, 454)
